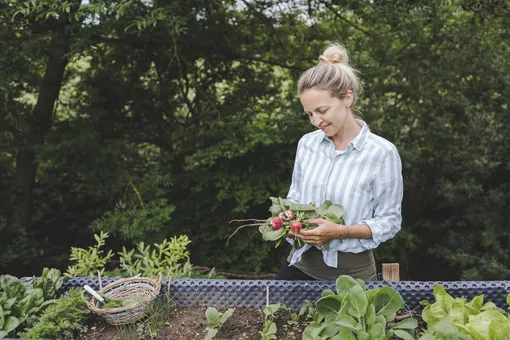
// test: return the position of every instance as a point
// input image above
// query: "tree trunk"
(39, 123)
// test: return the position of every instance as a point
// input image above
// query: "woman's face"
(325, 112)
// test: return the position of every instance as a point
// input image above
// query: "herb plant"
(89, 261)
(170, 257)
(62, 320)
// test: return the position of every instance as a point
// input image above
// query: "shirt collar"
(360, 139)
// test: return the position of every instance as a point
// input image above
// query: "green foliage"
(89, 261)
(135, 223)
(170, 258)
(62, 320)
(270, 329)
(132, 219)
(215, 320)
(149, 92)
(354, 313)
(308, 309)
(456, 318)
(273, 311)
(49, 282)
(444, 330)
(22, 304)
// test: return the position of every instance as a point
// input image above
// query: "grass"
(148, 328)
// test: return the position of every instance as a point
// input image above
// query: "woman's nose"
(316, 120)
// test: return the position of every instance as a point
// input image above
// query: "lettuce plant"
(456, 318)
(355, 313)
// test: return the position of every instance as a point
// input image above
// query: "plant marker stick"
(93, 293)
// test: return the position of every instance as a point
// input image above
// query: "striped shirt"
(366, 179)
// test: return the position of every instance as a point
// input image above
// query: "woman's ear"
(349, 96)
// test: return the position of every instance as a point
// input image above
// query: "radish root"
(257, 224)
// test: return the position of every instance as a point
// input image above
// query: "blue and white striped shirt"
(366, 179)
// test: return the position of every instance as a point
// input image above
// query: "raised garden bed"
(256, 294)
(191, 297)
(249, 297)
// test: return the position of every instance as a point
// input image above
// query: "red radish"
(286, 215)
(276, 222)
(296, 226)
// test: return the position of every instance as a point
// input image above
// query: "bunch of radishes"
(277, 227)
(287, 216)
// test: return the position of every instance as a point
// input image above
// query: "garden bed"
(190, 323)
(279, 309)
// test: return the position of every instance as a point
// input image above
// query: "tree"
(177, 116)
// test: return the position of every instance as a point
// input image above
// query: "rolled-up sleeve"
(388, 192)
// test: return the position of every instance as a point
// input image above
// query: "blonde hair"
(332, 73)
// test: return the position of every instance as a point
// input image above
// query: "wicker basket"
(142, 290)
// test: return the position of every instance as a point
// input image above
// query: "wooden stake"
(99, 279)
(391, 272)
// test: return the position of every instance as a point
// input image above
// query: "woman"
(344, 162)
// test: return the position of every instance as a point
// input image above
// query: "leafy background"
(157, 119)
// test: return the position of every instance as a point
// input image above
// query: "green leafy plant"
(21, 304)
(215, 321)
(169, 257)
(270, 329)
(50, 282)
(89, 261)
(62, 320)
(291, 324)
(287, 216)
(456, 318)
(355, 313)
(8, 323)
(310, 312)
(444, 330)
(294, 317)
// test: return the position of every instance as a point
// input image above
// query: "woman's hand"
(326, 230)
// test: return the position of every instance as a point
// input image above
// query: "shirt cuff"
(375, 241)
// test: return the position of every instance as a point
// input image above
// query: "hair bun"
(335, 54)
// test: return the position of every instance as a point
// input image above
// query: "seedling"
(215, 320)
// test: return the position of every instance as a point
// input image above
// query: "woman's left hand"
(325, 231)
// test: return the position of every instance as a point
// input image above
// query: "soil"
(189, 323)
